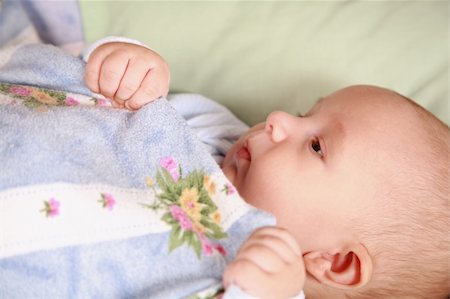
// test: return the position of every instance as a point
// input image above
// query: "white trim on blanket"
(42, 217)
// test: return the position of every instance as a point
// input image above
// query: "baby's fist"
(130, 75)
(268, 265)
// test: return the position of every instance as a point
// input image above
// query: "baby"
(359, 186)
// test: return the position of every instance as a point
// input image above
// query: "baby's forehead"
(381, 119)
(367, 103)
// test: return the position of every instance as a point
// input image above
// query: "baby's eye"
(315, 145)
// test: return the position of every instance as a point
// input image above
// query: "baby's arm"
(130, 75)
(268, 265)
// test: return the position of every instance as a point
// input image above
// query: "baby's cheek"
(256, 194)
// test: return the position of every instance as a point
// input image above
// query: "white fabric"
(109, 39)
(82, 204)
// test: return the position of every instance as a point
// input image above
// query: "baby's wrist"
(110, 39)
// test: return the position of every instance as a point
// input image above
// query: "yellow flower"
(44, 98)
(149, 181)
(209, 185)
(216, 217)
(189, 203)
(198, 227)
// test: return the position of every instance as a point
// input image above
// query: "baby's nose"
(279, 125)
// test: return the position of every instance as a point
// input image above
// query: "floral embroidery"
(22, 91)
(35, 97)
(217, 217)
(51, 208)
(107, 201)
(188, 207)
(44, 97)
(229, 189)
(149, 182)
(171, 166)
(209, 185)
(100, 102)
(69, 101)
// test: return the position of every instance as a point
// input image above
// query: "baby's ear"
(345, 268)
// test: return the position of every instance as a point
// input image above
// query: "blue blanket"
(98, 202)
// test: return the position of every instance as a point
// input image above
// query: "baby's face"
(316, 171)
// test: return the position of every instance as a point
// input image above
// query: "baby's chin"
(229, 173)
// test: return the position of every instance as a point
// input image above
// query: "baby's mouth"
(243, 152)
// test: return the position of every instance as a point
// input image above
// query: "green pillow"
(256, 57)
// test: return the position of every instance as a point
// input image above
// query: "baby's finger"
(112, 70)
(262, 256)
(276, 244)
(93, 66)
(248, 277)
(280, 233)
(131, 81)
(116, 104)
(154, 85)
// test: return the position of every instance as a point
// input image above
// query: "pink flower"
(101, 102)
(20, 90)
(108, 201)
(220, 249)
(229, 189)
(51, 208)
(69, 101)
(54, 207)
(168, 163)
(209, 248)
(171, 166)
(179, 215)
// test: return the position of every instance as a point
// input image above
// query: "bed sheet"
(260, 56)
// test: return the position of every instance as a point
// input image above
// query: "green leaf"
(160, 180)
(167, 197)
(187, 237)
(195, 179)
(4, 87)
(206, 199)
(205, 211)
(180, 171)
(167, 177)
(196, 244)
(167, 217)
(219, 235)
(214, 231)
(59, 96)
(183, 184)
(175, 238)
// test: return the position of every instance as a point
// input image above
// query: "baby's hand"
(128, 74)
(268, 265)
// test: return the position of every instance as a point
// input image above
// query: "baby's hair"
(409, 242)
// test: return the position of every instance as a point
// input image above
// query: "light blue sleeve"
(57, 22)
(213, 123)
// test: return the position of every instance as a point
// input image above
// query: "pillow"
(256, 57)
